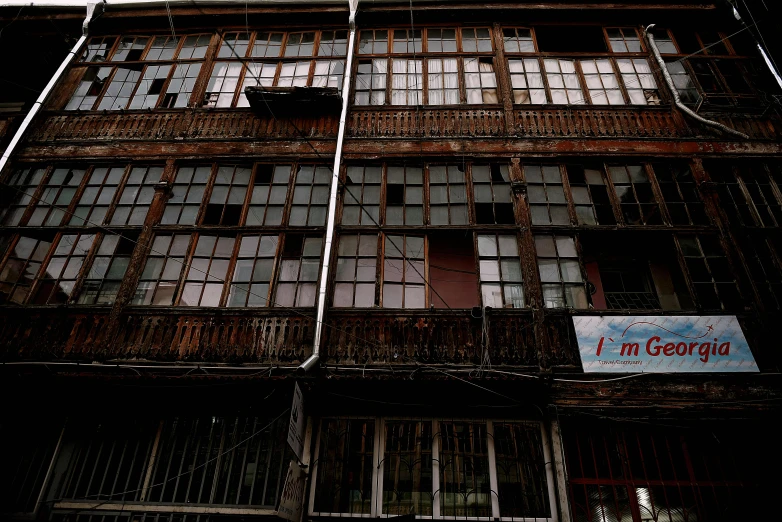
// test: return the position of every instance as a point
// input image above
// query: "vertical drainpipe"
(92, 7)
(331, 221)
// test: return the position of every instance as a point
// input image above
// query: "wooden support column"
(503, 80)
(140, 252)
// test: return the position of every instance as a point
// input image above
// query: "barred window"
(432, 467)
(158, 282)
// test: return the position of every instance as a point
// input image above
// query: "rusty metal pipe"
(675, 93)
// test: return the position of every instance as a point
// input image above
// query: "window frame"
(379, 444)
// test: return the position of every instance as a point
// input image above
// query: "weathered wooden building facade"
(406, 209)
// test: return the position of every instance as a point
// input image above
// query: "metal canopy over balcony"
(293, 101)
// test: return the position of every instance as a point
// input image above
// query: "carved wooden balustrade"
(181, 124)
(246, 337)
(592, 123)
(385, 337)
(428, 122)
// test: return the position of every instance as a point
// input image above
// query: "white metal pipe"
(675, 93)
(331, 221)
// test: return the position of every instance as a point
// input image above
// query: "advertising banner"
(634, 344)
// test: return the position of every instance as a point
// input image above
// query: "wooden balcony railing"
(428, 123)
(257, 337)
(385, 337)
(629, 122)
(190, 124)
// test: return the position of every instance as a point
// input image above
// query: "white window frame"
(376, 503)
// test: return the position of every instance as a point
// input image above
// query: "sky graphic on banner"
(634, 344)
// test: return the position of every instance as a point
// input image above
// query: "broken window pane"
(492, 193)
(181, 85)
(500, 270)
(404, 195)
(56, 197)
(560, 272)
(97, 49)
(89, 88)
(207, 271)
(634, 193)
(162, 48)
(226, 199)
(546, 195)
(269, 193)
(102, 281)
(130, 49)
(590, 194)
(373, 41)
(447, 195)
(310, 196)
(356, 271)
(97, 196)
(186, 195)
(403, 272)
(20, 268)
(299, 271)
(158, 282)
(371, 82)
(195, 46)
(361, 197)
(639, 81)
(222, 84)
(253, 271)
(62, 271)
(119, 90)
(150, 87)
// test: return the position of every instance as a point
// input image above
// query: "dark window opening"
(395, 194)
(157, 86)
(452, 274)
(590, 195)
(566, 39)
(134, 55)
(169, 100)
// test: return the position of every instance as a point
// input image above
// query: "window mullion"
(493, 486)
